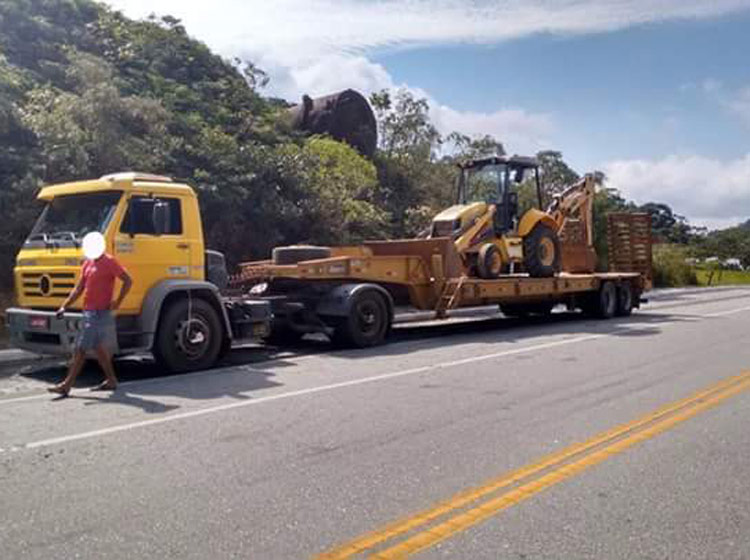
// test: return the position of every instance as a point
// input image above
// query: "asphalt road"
(405, 450)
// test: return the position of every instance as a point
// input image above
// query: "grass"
(723, 277)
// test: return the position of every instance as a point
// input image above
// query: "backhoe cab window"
(67, 218)
(483, 184)
(139, 218)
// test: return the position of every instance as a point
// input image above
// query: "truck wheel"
(624, 300)
(299, 253)
(184, 344)
(489, 261)
(367, 324)
(541, 252)
(602, 304)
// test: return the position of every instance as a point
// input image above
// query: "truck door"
(148, 257)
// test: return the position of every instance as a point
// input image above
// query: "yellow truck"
(176, 308)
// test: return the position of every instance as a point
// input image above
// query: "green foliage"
(730, 243)
(339, 186)
(670, 267)
(413, 185)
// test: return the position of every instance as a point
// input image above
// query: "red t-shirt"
(99, 282)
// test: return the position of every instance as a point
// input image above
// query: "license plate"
(39, 322)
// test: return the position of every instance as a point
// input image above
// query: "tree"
(413, 186)
(94, 130)
(463, 147)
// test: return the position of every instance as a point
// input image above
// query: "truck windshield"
(483, 184)
(66, 219)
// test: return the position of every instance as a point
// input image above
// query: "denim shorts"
(98, 328)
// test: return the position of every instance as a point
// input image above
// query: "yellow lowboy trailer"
(350, 293)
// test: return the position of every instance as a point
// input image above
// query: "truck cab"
(152, 225)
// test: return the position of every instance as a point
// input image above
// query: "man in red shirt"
(99, 334)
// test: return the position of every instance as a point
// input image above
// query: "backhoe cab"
(488, 232)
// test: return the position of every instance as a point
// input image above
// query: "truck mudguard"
(154, 300)
(338, 301)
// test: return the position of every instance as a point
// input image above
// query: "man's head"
(93, 245)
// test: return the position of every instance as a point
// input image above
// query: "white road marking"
(308, 391)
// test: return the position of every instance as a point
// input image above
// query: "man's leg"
(105, 362)
(74, 369)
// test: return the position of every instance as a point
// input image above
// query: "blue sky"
(642, 92)
(655, 93)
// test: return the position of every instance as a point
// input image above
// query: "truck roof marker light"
(137, 176)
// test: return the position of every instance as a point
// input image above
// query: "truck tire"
(173, 349)
(299, 253)
(519, 310)
(624, 300)
(489, 261)
(367, 324)
(603, 303)
(541, 252)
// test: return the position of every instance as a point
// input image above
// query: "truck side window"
(139, 216)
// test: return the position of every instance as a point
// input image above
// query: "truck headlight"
(259, 288)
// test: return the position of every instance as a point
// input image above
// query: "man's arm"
(127, 283)
(73, 296)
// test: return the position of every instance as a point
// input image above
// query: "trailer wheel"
(489, 261)
(624, 300)
(367, 324)
(602, 304)
(541, 252)
(188, 344)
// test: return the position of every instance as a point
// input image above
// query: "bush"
(670, 268)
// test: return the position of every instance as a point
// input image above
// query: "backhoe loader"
(493, 237)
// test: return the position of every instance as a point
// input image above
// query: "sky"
(655, 93)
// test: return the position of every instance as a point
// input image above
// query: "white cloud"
(309, 28)
(708, 191)
(520, 131)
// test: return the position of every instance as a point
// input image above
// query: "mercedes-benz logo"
(45, 286)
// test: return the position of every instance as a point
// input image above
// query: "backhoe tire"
(299, 253)
(489, 262)
(624, 300)
(188, 345)
(367, 324)
(603, 303)
(541, 252)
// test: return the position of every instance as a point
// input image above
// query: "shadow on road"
(252, 368)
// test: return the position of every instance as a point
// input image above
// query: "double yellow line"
(466, 509)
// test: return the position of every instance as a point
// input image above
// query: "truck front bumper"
(42, 332)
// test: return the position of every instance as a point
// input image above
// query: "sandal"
(59, 390)
(104, 386)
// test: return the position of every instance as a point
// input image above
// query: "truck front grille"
(47, 284)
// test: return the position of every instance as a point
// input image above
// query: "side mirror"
(161, 217)
(519, 175)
